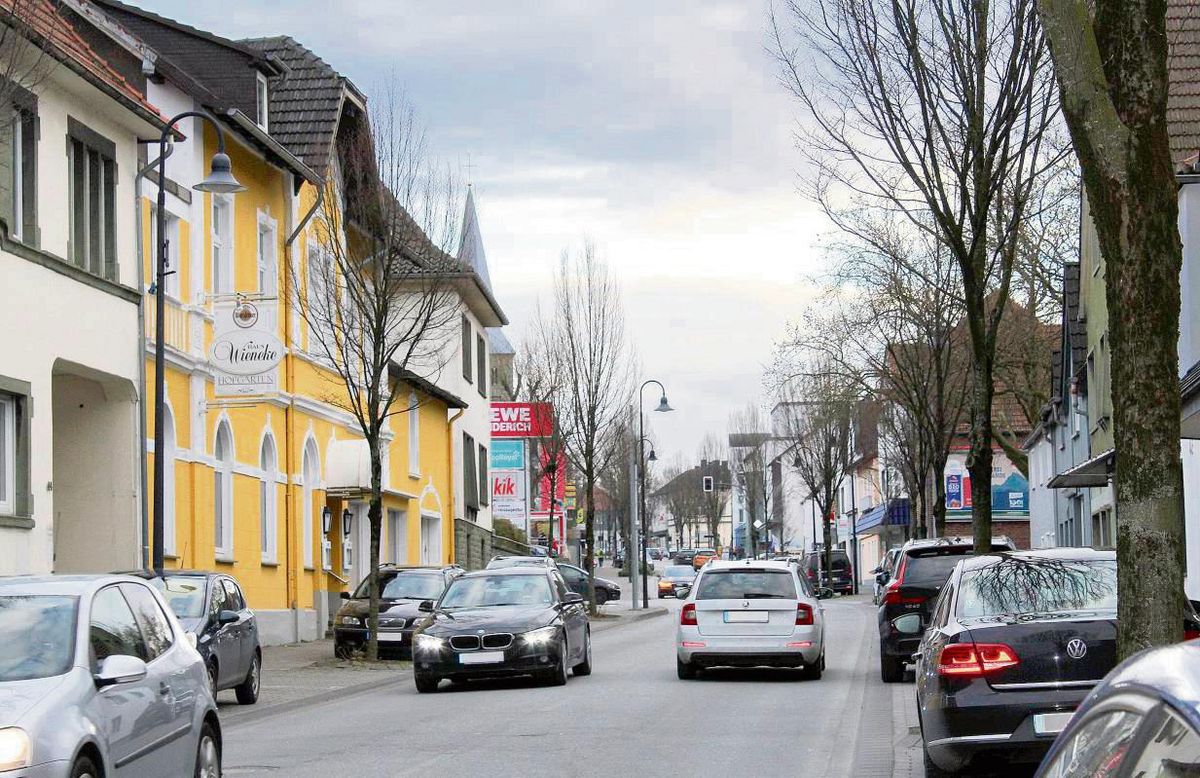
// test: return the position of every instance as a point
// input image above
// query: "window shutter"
(29, 138)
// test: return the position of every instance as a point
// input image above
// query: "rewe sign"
(521, 420)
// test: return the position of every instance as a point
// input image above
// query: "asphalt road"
(632, 716)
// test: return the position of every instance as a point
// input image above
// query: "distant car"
(619, 559)
(702, 556)
(1142, 720)
(539, 551)
(839, 578)
(684, 556)
(577, 581)
(98, 678)
(654, 553)
(402, 589)
(502, 561)
(500, 623)
(211, 607)
(675, 580)
(750, 614)
(921, 572)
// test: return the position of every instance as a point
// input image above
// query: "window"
(1173, 749)
(470, 477)
(262, 100)
(219, 601)
(321, 308)
(267, 500)
(1098, 747)
(1104, 533)
(223, 493)
(156, 629)
(484, 484)
(92, 196)
(171, 284)
(222, 245)
(397, 542)
(481, 364)
(8, 454)
(234, 600)
(348, 546)
(466, 347)
(113, 630)
(18, 187)
(268, 275)
(311, 476)
(168, 454)
(414, 435)
(14, 452)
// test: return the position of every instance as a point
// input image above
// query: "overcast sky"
(658, 130)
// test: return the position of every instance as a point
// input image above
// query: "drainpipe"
(450, 491)
(141, 356)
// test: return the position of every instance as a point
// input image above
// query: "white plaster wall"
(1042, 517)
(476, 420)
(1189, 231)
(1190, 451)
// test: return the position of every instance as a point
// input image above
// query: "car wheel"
(247, 690)
(891, 670)
(585, 667)
(211, 670)
(685, 670)
(558, 676)
(426, 683)
(208, 754)
(84, 767)
(813, 672)
(931, 768)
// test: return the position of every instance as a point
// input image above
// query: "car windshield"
(487, 591)
(406, 586)
(1042, 586)
(931, 569)
(184, 593)
(679, 571)
(747, 584)
(500, 564)
(37, 636)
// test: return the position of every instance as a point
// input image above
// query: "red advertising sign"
(521, 420)
(560, 485)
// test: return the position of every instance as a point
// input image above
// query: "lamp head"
(663, 405)
(651, 458)
(220, 178)
(326, 520)
(347, 516)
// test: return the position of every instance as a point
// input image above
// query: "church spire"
(470, 247)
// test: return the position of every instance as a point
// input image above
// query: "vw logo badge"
(1076, 648)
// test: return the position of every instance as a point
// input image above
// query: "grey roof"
(306, 103)
(498, 342)
(1183, 91)
(1072, 351)
(470, 247)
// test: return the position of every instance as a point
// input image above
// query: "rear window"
(746, 584)
(679, 571)
(1019, 586)
(932, 569)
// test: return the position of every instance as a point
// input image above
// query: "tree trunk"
(589, 524)
(375, 516)
(938, 499)
(979, 456)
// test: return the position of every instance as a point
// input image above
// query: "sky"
(656, 130)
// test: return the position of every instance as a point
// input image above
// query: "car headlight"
(350, 621)
(14, 748)
(429, 642)
(540, 637)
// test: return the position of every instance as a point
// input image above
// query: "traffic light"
(708, 483)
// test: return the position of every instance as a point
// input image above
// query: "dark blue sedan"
(1142, 721)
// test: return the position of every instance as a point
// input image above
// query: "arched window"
(223, 492)
(414, 435)
(266, 500)
(168, 454)
(312, 474)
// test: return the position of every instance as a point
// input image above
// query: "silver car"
(98, 679)
(749, 614)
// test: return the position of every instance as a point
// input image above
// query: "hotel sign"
(245, 351)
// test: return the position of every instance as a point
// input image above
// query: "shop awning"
(349, 469)
(1095, 472)
(890, 513)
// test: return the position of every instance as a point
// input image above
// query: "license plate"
(391, 637)
(758, 617)
(481, 658)
(1050, 723)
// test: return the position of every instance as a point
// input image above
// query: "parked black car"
(1142, 720)
(1014, 643)
(211, 607)
(840, 576)
(923, 567)
(683, 556)
(402, 589)
(499, 623)
(577, 581)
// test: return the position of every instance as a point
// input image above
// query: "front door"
(431, 547)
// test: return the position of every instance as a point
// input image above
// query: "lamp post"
(219, 180)
(663, 406)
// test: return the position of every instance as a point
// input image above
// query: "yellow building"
(270, 487)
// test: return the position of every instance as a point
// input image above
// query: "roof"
(1183, 91)
(498, 342)
(747, 439)
(136, 19)
(1074, 331)
(521, 570)
(470, 246)
(306, 103)
(426, 386)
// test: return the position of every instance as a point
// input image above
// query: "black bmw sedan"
(500, 623)
(402, 589)
(1014, 643)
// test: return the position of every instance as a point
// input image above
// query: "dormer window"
(261, 101)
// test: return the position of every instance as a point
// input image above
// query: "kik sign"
(508, 495)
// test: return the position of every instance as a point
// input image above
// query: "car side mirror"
(572, 598)
(877, 571)
(683, 591)
(908, 624)
(425, 606)
(344, 595)
(227, 617)
(119, 668)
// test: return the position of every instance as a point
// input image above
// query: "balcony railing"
(175, 325)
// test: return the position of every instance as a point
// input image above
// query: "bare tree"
(714, 502)
(375, 293)
(584, 339)
(541, 382)
(1110, 58)
(937, 111)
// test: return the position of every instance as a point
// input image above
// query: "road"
(631, 716)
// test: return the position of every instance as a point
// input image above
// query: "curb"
(632, 618)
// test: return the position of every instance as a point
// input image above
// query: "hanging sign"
(245, 351)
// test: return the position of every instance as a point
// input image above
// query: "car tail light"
(892, 596)
(1191, 634)
(687, 616)
(804, 614)
(974, 660)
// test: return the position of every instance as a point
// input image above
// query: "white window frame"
(268, 499)
(262, 101)
(309, 466)
(266, 257)
(8, 447)
(222, 245)
(171, 287)
(169, 454)
(414, 436)
(397, 536)
(18, 171)
(223, 494)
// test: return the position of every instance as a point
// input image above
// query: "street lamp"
(326, 520)
(220, 180)
(347, 517)
(663, 406)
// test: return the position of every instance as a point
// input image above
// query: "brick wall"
(1017, 530)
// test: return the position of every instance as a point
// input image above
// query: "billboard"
(508, 454)
(508, 496)
(521, 420)
(1010, 489)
